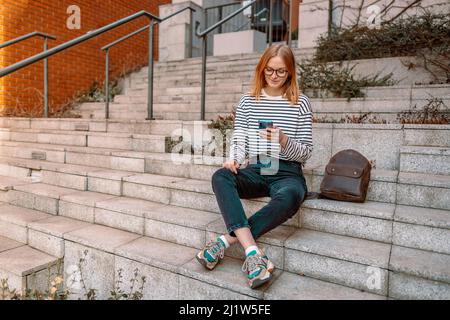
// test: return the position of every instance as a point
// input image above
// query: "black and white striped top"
(294, 120)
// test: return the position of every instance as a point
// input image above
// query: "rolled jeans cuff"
(236, 226)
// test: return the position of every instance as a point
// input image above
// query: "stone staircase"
(177, 88)
(108, 187)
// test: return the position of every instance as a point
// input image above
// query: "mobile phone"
(263, 124)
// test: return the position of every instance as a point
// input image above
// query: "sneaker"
(211, 255)
(259, 269)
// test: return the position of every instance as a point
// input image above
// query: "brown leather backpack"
(346, 177)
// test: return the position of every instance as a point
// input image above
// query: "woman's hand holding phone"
(231, 165)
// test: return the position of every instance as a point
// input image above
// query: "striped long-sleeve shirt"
(294, 120)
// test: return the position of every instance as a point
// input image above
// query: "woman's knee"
(292, 197)
(221, 175)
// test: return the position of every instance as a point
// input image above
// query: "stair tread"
(420, 263)
(84, 133)
(20, 216)
(289, 286)
(8, 183)
(425, 179)
(423, 216)
(373, 209)
(24, 260)
(340, 247)
(45, 190)
(86, 198)
(57, 226)
(426, 150)
(8, 244)
(101, 237)
(369, 208)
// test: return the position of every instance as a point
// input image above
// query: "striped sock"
(252, 250)
(224, 241)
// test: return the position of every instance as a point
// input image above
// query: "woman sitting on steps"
(276, 155)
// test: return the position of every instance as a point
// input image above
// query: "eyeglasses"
(280, 72)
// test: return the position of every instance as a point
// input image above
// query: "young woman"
(285, 147)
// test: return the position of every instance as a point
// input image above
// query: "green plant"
(319, 79)
(364, 118)
(119, 294)
(224, 124)
(96, 93)
(401, 37)
(55, 286)
(435, 111)
(56, 289)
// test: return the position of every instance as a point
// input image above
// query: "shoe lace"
(215, 248)
(253, 263)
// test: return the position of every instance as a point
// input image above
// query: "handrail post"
(270, 22)
(290, 24)
(204, 35)
(45, 81)
(107, 85)
(150, 72)
(203, 93)
(220, 18)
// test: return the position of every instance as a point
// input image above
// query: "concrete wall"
(177, 34)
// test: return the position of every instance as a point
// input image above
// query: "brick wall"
(74, 70)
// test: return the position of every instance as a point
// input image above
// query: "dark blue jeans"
(287, 189)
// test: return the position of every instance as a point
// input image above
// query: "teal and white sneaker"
(211, 255)
(259, 269)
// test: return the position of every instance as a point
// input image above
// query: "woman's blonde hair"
(290, 87)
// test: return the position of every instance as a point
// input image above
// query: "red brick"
(74, 70)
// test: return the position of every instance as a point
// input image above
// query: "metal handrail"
(46, 37)
(106, 48)
(204, 36)
(22, 64)
(255, 16)
(27, 36)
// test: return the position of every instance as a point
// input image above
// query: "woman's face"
(275, 73)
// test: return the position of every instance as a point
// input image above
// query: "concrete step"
(165, 188)
(408, 92)
(137, 80)
(139, 107)
(383, 184)
(28, 269)
(8, 182)
(140, 96)
(183, 81)
(210, 69)
(63, 235)
(153, 257)
(321, 255)
(424, 190)
(420, 159)
(14, 221)
(8, 244)
(422, 228)
(371, 220)
(417, 274)
(426, 135)
(152, 127)
(314, 245)
(140, 115)
(124, 141)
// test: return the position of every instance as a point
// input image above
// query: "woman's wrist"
(283, 140)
